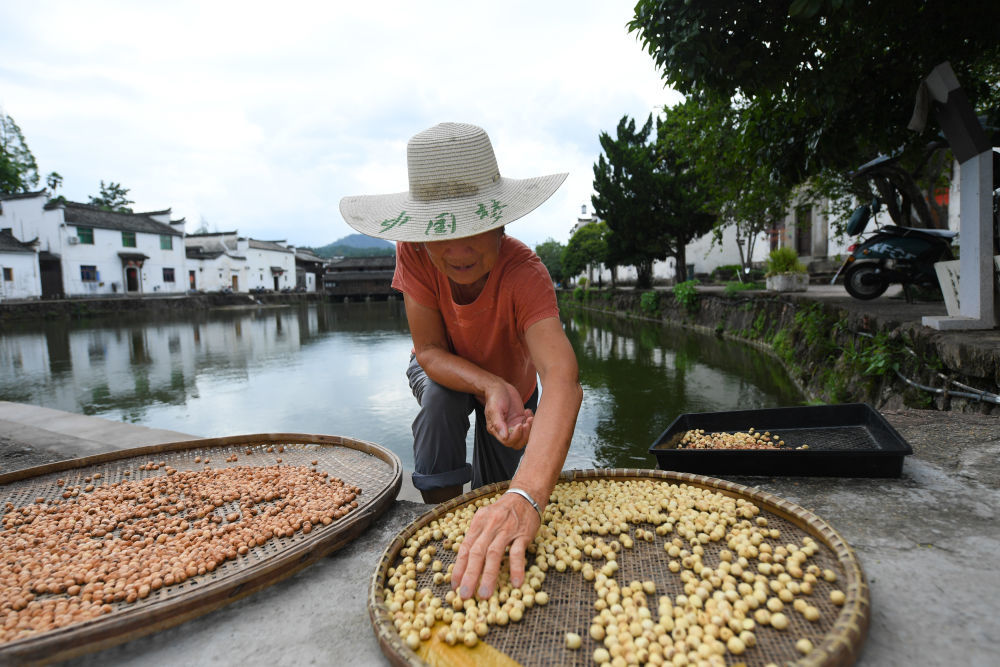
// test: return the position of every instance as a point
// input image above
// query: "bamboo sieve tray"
(373, 468)
(539, 638)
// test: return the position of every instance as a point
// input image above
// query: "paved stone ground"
(926, 541)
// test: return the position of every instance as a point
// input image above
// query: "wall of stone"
(109, 306)
(834, 354)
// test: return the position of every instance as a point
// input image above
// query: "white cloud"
(260, 117)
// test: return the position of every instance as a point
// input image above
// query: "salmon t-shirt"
(489, 332)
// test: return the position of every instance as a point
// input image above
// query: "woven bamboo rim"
(143, 617)
(840, 646)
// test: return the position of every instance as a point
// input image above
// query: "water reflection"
(339, 369)
(639, 376)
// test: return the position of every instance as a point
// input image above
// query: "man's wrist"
(527, 496)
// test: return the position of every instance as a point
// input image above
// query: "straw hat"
(456, 190)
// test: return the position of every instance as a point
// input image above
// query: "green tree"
(54, 181)
(650, 193)
(586, 248)
(113, 197)
(688, 206)
(625, 183)
(721, 147)
(827, 84)
(550, 252)
(18, 169)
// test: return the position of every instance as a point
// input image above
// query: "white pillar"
(977, 303)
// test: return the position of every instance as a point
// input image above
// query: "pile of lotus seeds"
(749, 439)
(69, 559)
(590, 525)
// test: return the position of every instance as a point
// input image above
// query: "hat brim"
(400, 217)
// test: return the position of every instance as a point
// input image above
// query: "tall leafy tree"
(829, 84)
(689, 208)
(722, 148)
(550, 252)
(113, 197)
(649, 192)
(18, 169)
(587, 248)
(626, 197)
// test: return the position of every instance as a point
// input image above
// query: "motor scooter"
(898, 253)
(892, 254)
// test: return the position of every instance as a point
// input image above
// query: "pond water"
(339, 369)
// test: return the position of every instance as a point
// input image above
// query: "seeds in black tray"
(749, 439)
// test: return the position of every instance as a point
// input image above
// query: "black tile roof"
(384, 262)
(86, 215)
(20, 195)
(268, 245)
(198, 252)
(10, 244)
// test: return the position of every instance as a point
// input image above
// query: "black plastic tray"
(850, 440)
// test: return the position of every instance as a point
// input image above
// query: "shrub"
(732, 287)
(727, 272)
(686, 294)
(649, 303)
(579, 294)
(784, 260)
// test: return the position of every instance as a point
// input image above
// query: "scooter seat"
(940, 233)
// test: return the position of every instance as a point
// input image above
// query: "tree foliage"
(723, 151)
(650, 194)
(113, 197)
(827, 84)
(18, 169)
(550, 252)
(586, 248)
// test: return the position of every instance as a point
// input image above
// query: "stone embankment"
(836, 349)
(80, 307)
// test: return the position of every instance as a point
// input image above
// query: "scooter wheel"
(865, 281)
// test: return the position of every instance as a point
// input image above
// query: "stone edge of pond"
(835, 350)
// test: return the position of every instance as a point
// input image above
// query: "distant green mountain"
(356, 245)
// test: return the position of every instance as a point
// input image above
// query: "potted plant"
(785, 273)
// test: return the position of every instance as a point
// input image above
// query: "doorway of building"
(51, 274)
(131, 279)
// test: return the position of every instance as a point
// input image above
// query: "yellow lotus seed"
(837, 597)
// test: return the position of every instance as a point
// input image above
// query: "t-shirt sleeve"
(414, 275)
(534, 295)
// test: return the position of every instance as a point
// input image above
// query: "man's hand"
(510, 521)
(506, 417)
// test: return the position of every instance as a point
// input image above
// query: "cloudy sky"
(260, 116)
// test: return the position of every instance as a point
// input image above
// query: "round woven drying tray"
(376, 470)
(539, 637)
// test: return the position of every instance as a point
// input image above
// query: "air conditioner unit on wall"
(73, 240)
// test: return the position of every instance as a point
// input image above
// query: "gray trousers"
(439, 433)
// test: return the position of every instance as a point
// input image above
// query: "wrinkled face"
(469, 260)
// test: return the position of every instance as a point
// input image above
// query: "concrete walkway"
(926, 542)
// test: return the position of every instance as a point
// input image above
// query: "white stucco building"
(215, 262)
(19, 277)
(271, 264)
(84, 250)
